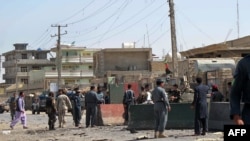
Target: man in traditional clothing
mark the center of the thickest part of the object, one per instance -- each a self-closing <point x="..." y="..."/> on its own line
<point x="51" y="110"/>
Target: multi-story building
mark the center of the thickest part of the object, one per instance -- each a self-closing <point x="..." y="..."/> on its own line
<point x="77" y="67"/>
<point x="19" y="62"/>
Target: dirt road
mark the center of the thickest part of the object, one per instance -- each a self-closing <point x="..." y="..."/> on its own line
<point x="38" y="131"/>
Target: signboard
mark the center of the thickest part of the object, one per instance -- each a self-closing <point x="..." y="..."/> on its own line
<point x="53" y="87"/>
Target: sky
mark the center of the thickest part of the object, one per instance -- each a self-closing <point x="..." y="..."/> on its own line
<point x="109" y="23"/>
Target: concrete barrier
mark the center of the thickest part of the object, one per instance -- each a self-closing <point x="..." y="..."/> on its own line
<point x="111" y="114"/>
<point x="219" y="115"/>
<point x="142" y="116"/>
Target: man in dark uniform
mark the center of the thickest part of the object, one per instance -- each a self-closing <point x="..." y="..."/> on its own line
<point x="161" y="108"/>
<point x="51" y="110"/>
<point x="13" y="106"/>
<point x="241" y="92"/>
<point x="175" y="94"/>
<point x="77" y="116"/>
<point x="91" y="101"/>
<point x="200" y="105"/>
<point x="128" y="99"/>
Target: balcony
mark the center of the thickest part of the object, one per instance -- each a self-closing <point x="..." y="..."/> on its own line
<point x="77" y="59"/>
<point x="12" y="63"/>
<point x="70" y="73"/>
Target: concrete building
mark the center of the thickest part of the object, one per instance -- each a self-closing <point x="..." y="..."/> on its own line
<point x="124" y="64"/>
<point x="19" y="62"/>
<point x="77" y="67"/>
<point x="233" y="48"/>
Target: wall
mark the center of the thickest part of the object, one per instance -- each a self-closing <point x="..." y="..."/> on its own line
<point x="126" y="59"/>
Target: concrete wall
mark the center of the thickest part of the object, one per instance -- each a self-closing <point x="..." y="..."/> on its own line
<point x="125" y="60"/>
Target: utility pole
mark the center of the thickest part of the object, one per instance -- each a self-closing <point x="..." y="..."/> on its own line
<point x="173" y="39"/>
<point x="59" y="54"/>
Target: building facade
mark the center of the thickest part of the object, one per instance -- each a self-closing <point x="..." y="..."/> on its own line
<point x="19" y="62"/>
<point x="77" y="67"/>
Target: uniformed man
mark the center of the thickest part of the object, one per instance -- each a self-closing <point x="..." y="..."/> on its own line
<point x="200" y="105"/>
<point x="175" y="94"/>
<point x="91" y="101"/>
<point x="51" y="110"/>
<point x="128" y="99"/>
<point x="13" y="106"/>
<point x="240" y="92"/>
<point x="77" y="116"/>
<point x="161" y="108"/>
<point x="63" y="104"/>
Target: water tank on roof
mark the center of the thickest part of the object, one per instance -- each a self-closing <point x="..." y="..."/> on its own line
<point x="39" y="49"/>
<point x="128" y="45"/>
<point x="169" y="56"/>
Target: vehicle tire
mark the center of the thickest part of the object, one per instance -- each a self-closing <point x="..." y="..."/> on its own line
<point x="38" y="111"/>
<point x="1" y="110"/>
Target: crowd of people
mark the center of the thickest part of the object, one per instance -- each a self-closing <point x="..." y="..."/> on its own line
<point x="62" y="103"/>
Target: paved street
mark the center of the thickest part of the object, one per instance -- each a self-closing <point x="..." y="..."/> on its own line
<point x="38" y="131"/>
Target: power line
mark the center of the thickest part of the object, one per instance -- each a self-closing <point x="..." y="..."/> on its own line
<point x="79" y="11"/>
<point x="131" y="25"/>
<point x="107" y="5"/>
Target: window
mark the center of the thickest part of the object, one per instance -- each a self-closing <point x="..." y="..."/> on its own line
<point x="36" y="68"/>
<point x="24" y="69"/>
<point x="24" y="56"/>
<point x="25" y="81"/>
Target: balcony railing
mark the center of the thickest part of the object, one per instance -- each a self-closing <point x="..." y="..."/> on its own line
<point x="27" y="62"/>
<point x="76" y="59"/>
<point x="72" y="73"/>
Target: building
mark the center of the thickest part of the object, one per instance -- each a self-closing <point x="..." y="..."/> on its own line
<point x="77" y="67"/>
<point x="233" y="48"/>
<point x="124" y="64"/>
<point x="19" y="62"/>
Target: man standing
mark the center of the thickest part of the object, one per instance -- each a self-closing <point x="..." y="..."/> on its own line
<point x="200" y="105"/>
<point x="13" y="106"/>
<point x="77" y="108"/>
<point x="51" y="110"/>
<point x="20" y="112"/>
<point x="91" y="101"/>
<point x="63" y="104"/>
<point x="241" y="92"/>
<point x="161" y="108"/>
<point x="128" y="99"/>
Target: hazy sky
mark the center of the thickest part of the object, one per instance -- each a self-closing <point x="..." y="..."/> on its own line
<point x="109" y="23"/>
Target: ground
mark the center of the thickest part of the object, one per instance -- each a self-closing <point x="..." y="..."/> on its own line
<point x="38" y="131"/>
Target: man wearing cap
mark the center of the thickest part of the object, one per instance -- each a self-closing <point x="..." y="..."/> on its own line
<point x="77" y="116"/>
<point x="161" y="108"/>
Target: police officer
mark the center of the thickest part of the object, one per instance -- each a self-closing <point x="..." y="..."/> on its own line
<point x="241" y="91"/>
<point x="51" y="110"/>
<point x="77" y="108"/>
<point x="161" y="108"/>
<point x="91" y="101"/>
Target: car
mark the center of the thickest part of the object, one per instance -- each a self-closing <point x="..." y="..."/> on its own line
<point x="42" y="101"/>
<point x="39" y="103"/>
<point x="4" y="107"/>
